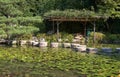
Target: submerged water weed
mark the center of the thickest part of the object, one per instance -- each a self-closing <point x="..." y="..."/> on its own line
<point x="56" y="62"/>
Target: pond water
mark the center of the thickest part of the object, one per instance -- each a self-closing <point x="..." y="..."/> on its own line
<point x="55" y="62"/>
<point x="19" y="68"/>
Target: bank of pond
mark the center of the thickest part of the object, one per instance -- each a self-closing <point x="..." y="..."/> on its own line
<point x="87" y="48"/>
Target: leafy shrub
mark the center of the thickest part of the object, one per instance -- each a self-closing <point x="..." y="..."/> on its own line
<point x="66" y="37"/>
<point x="54" y="37"/>
<point x="112" y="38"/>
<point x="41" y="35"/>
<point x="70" y="37"/>
<point x="98" y="37"/>
<point x="25" y="37"/>
<point x="49" y="38"/>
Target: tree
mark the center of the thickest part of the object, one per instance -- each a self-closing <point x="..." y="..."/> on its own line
<point x="107" y="6"/>
<point x="13" y="21"/>
<point x="8" y="9"/>
<point x="8" y="31"/>
<point x="116" y="13"/>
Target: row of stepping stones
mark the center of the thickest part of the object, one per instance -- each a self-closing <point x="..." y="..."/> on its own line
<point x="96" y="50"/>
<point x="74" y="46"/>
<point x="78" y="47"/>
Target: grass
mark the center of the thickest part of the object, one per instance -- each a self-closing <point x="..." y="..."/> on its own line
<point x="37" y="62"/>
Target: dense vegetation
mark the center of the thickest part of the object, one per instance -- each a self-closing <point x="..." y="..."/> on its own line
<point x="75" y="14"/>
<point x="34" y="62"/>
<point x="23" y="19"/>
<point x="30" y="12"/>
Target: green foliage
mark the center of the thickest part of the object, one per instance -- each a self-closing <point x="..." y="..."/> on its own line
<point x="8" y="9"/>
<point x="54" y="37"/>
<point x="112" y="38"/>
<point x="22" y="20"/>
<point x="24" y="37"/>
<point x="9" y="31"/>
<point x="18" y="30"/>
<point x="109" y="7"/>
<point x="39" y="7"/>
<point x="70" y="13"/>
<point x="41" y="35"/>
<point x="29" y="25"/>
<point x="10" y="1"/>
<point x="70" y="38"/>
<point x="32" y="61"/>
<point x="49" y="38"/>
<point x="2" y="33"/>
<point x="29" y="12"/>
<point x="66" y="37"/>
<point x="104" y="38"/>
<point x="98" y="37"/>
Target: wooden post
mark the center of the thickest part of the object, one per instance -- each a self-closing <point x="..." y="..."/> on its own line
<point x="53" y="27"/>
<point x="84" y="24"/>
<point x="57" y="30"/>
<point x="85" y="30"/>
<point x="94" y="33"/>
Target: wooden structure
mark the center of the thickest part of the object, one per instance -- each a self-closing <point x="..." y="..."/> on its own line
<point x="84" y="21"/>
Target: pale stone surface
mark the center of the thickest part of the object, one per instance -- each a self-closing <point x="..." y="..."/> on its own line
<point x="54" y="44"/>
<point x="23" y="42"/>
<point x="43" y="44"/>
<point x="74" y="45"/>
<point x="75" y="40"/>
<point x="117" y="50"/>
<point x="14" y="42"/>
<point x="59" y="40"/>
<point x="92" y="50"/>
<point x="34" y="43"/>
<point x="81" y="48"/>
<point x="107" y="50"/>
<point x="67" y="45"/>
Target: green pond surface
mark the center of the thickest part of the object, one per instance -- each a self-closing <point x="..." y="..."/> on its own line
<point x="53" y="62"/>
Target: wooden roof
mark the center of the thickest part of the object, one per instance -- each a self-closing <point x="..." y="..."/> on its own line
<point x="72" y="19"/>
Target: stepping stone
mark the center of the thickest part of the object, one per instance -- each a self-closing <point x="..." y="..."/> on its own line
<point x="74" y="45"/>
<point x="107" y="50"/>
<point x="117" y="50"/>
<point x="14" y="42"/>
<point x="23" y="42"/>
<point x="43" y="44"/>
<point x="35" y="43"/>
<point x="54" y="45"/>
<point x="92" y="50"/>
<point x="81" y="48"/>
<point x="30" y="42"/>
<point x="66" y="45"/>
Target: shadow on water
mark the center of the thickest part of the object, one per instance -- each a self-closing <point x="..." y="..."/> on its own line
<point x="114" y="54"/>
